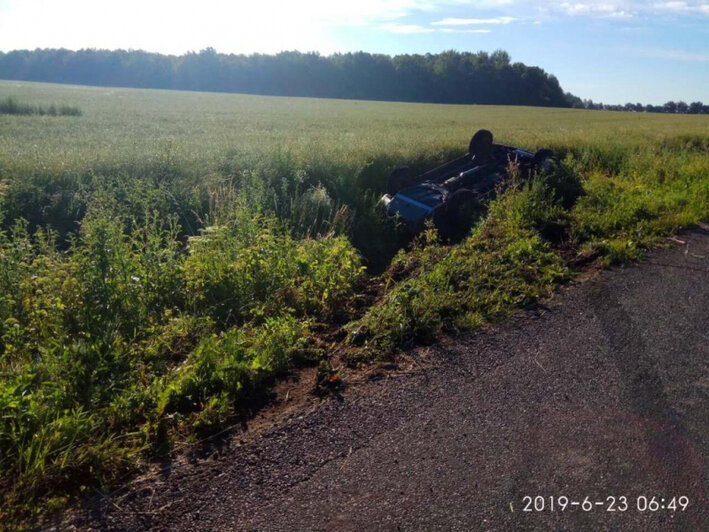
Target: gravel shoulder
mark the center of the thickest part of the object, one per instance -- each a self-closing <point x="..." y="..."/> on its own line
<point x="602" y="393"/>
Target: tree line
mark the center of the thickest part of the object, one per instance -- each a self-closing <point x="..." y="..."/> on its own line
<point x="448" y="77"/>
<point x="694" y="108"/>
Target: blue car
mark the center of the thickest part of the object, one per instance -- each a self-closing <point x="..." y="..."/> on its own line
<point x="454" y="194"/>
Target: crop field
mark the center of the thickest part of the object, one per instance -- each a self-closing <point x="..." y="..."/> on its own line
<point x="166" y="256"/>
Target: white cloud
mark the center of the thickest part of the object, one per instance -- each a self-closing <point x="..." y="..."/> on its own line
<point x="629" y="8"/>
<point x="612" y="9"/>
<point x="406" y="28"/>
<point x="455" y="30"/>
<point x="682" y="7"/>
<point x="671" y="5"/>
<point x="416" y="29"/>
<point x="603" y="9"/>
<point x="473" y="21"/>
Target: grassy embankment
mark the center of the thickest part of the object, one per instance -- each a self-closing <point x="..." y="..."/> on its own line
<point x="166" y="255"/>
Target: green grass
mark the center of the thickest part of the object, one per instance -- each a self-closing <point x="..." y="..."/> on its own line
<point x="167" y="256"/>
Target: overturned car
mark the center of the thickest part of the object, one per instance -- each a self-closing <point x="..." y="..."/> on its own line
<point x="454" y="194"/>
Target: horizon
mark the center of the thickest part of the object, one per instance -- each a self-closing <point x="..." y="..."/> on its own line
<point x="615" y="52"/>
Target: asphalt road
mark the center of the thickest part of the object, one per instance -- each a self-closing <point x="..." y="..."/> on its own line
<point x="604" y="393"/>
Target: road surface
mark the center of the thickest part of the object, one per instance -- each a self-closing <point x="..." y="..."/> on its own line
<point x="603" y="394"/>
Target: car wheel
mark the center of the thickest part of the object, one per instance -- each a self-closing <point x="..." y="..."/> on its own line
<point x="401" y="177"/>
<point x="481" y="144"/>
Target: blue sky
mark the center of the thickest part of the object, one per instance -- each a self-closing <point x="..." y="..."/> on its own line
<point x="610" y="50"/>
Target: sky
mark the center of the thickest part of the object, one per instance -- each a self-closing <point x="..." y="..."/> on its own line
<point x="612" y="51"/>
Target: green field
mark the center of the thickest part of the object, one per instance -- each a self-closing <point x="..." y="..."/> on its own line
<point x="166" y="255"/>
<point x="205" y="128"/>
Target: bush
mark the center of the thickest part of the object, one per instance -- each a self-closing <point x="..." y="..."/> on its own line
<point x="11" y="106"/>
<point x="253" y="267"/>
<point x="233" y="365"/>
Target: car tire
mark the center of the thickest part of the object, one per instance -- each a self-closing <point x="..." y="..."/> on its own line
<point x="401" y="177"/>
<point x="480" y="143"/>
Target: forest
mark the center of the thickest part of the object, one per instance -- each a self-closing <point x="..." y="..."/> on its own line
<point x="448" y="77"/>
